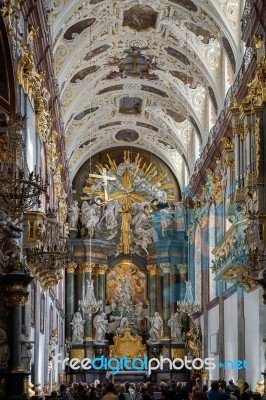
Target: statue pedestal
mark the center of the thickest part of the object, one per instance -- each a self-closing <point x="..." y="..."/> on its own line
<point x="13" y="385"/>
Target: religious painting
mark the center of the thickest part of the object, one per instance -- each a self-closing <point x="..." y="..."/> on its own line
<point x="78" y="28"/>
<point x="110" y="124"/>
<point x="4" y="79"/>
<point x="151" y="89"/>
<point x="175" y="115"/>
<point x="42" y="313"/>
<point x="188" y="4"/>
<point x="130" y="105"/>
<point x="127" y="135"/>
<point x="96" y="52"/>
<point x="136" y="65"/>
<point x="199" y="31"/>
<point x="147" y="126"/>
<point x="85" y="112"/>
<point x="79" y="76"/>
<point x="110" y="89"/>
<point x="126" y="284"/>
<point x="229" y="53"/>
<point x="177" y="54"/>
<point x="140" y="18"/>
<point x="187" y="79"/>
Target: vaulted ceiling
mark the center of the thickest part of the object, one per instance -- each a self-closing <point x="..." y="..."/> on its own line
<point x="151" y="74"/>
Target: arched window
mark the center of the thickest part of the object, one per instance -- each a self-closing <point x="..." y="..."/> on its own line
<point x="212" y="243"/>
<point x="198" y="265"/>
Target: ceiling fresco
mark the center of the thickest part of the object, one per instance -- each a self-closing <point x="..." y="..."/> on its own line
<point x="143" y="72"/>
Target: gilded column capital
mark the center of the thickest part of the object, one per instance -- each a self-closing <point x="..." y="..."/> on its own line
<point x="101" y="269"/>
<point x="165" y="268"/>
<point x="88" y="267"/>
<point x="16" y="295"/>
<point x="239" y="130"/>
<point x="71" y="267"/>
<point x="152" y="269"/>
<point x="182" y="268"/>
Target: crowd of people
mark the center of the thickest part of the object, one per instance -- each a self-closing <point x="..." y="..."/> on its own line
<point x="218" y="390"/>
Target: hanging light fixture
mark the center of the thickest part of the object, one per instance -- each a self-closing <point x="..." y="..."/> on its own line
<point x="52" y="252"/>
<point x="89" y="304"/>
<point x="188" y="305"/>
<point x="20" y="189"/>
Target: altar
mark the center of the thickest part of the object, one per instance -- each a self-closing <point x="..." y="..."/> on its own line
<point x="129" y="264"/>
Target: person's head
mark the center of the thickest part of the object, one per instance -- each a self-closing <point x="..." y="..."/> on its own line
<point x="205" y="388"/>
<point x="215" y="386"/>
<point x="54" y="394"/>
<point x="230" y="381"/>
<point x="110" y="388"/>
<point x="75" y="386"/>
<point x="63" y="388"/>
<point x="245" y="396"/>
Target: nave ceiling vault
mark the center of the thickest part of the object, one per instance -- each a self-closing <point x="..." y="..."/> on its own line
<point x="156" y="68"/>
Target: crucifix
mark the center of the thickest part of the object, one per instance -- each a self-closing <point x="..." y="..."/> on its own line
<point x="105" y="178"/>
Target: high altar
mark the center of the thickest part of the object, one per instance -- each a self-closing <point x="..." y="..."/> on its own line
<point x="129" y="268"/>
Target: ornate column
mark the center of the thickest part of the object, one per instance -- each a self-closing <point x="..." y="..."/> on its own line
<point x="16" y="297"/>
<point x="166" y="269"/>
<point x="70" y="297"/>
<point x="88" y="267"/>
<point x="100" y="271"/>
<point x="183" y="271"/>
<point x="152" y="287"/>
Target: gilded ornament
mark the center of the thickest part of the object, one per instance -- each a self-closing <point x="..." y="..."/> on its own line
<point x="88" y="267"/>
<point x="43" y="117"/>
<point x="101" y="269"/>
<point x="128" y="345"/>
<point x="71" y="268"/>
<point x="152" y="269"/>
<point x="227" y="144"/>
<point x="51" y="151"/>
<point x="239" y="130"/>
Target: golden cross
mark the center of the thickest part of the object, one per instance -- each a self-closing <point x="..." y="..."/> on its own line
<point x="105" y="178"/>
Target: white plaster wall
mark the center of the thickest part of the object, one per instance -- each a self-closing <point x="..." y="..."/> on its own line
<point x="231" y="335"/>
<point x="213" y="327"/>
<point x="253" y="346"/>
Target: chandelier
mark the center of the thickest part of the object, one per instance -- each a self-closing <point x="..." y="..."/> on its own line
<point x="19" y="189"/>
<point x="188" y="305"/>
<point x="51" y="251"/>
<point x="89" y="304"/>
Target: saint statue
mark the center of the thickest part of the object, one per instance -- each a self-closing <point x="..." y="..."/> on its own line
<point x="26" y="347"/>
<point x="126" y="293"/>
<point x="73" y="215"/>
<point x="156" y="327"/>
<point x="77" y="328"/>
<point x="100" y="323"/>
<point x="176" y="326"/>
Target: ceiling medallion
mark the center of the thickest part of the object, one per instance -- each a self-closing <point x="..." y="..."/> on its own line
<point x="139" y="43"/>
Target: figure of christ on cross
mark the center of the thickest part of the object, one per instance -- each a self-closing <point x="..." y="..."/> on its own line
<point x="105" y="178"/>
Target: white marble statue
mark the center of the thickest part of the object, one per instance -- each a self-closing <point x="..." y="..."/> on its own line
<point x="89" y="215"/>
<point x="156" y="328"/>
<point x="73" y="215"/>
<point x="143" y="231"/>
<point x="176" y="326"/>
<point x="77" y="328"/>
<point x="126" y="292"/>
<point x="109" y="216"/>
<point x="100" y="323"/>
